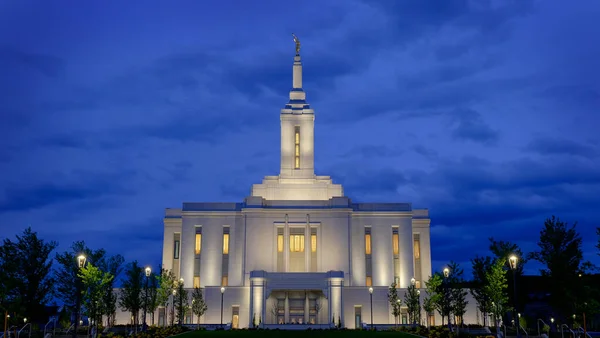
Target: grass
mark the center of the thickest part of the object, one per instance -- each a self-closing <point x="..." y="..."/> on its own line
<point x="294" y="334"/>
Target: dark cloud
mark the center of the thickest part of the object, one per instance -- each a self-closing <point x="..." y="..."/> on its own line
<point x="469" y="125"/>
<point x="425" y="151"/>
<point x="560" y="146"/>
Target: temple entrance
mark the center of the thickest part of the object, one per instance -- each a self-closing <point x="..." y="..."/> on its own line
<point x="295" y="307"/>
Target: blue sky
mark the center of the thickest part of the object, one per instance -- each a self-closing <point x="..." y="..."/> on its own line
<point x="485" y="112"/>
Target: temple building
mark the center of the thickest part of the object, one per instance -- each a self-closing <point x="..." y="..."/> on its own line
<point x="297" y="250"/>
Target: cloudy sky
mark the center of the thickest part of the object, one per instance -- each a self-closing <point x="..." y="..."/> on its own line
<point x="485" y="112"/>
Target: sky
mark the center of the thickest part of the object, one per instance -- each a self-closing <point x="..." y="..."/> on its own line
<point x="485" y="112"/>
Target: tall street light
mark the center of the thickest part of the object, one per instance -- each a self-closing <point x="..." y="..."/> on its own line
<point x="222" y="292"/>
<point x="148" y="272"/>
<point x="447" y="310"/>
<point x="413" y="315"/>
<point x="173" y="308"/>
<point x="371" y="295"/>
<point x="80" y="264"/>
<point x="513" y="261"/>
<point x="181" y="295"/>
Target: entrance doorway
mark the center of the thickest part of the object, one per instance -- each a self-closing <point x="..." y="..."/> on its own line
<point x="235" y="317"/>
<point x="357" y="317"/>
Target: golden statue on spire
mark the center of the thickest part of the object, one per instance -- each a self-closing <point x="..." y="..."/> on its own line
<point x="297" y="41"/>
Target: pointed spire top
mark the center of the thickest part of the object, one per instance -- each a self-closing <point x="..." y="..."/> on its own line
<point x="297" y="41"/>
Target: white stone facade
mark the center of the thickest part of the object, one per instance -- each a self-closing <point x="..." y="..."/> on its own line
<point x="297" y="250"/>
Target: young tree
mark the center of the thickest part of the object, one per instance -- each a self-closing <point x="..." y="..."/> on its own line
<point x="152" y="295"/>
<point x="430" y="302"/>
<point x="394" y="300"/>
<point x="560" y="251"/>
<point x="495" y="289"/>
<point x="113" y="266"/>
<point x="166" y="282"/>
<point x="94" y="283"/>
<point x="68" y="282"/>
<point x="181" y="303"/>
<point x="481" y="267"/>
<point x="413" y="303"/>
<point x="131" y="291"/>
<point x="199" y="306"/>
<point x="444" y="301"/>
<point x="30" y="275"/>
<point x="458" y="295"/>
<point x="8" y="279"/>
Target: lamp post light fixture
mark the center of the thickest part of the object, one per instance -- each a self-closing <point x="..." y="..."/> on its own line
<point x="222" y="293"/>
<point x="148" y="272"/>
<point x="81" y="259"/>
<point x="513" y="260"/>
<point x="446" y="275"/>
<point x="371" y="296"/>
<point x="173" y="308"/>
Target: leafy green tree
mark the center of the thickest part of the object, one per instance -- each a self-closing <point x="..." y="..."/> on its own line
<point x="413" y="304"/>
<point x="433" y="286"/>
<point x="481" y="268"/>
<point x="199" y="305"/>
<point x="394" y="301"/>
<point x="29" y="265"/>
<point x="560" y="251"/>
<point x="152" y="305"/>
<point x="444" y="301"/>
<point x="166" y="282"/>
<point x="131" y="299"/>
<point x="458" y="294"/>
<point x="68" y="283"/>
<point x="112" y="265"/>
<point x="495" y="289"/>
<point x="181" y="303"/>
<point x="94" y="283"/>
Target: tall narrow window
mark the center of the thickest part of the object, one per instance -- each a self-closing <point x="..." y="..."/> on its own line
<point x="313" y="243"/>
<point x="280" y="246"/>
<point x="297" y="148"/>
<point x="297" y="243"/>
<point x="279" y="243"/>
<point x="313" y="249"/>
<point x="396" y="255"/>
<point x="368" y="260"/>
<point x="196" y="282"/>
<point x="198" y="243"/>
<point x="417" y="258"/>
<point x="225" y="244"/>
<point x="176" y="250"/>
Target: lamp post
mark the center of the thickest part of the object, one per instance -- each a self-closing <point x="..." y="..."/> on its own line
<point x="80" y="264"/>
<point x="148" y="272"/>
<point x="513" y="260"/>
<point x="413" y="314"/>
<point x="181" y="308"/>
<point x="173" y="308"/>
<point x="222" y="293"/>
<point x="371" y="296"/>
<point x="419" y="306"/>
<point x="447" y="310"/>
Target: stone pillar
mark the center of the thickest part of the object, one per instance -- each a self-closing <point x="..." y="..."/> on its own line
<point x="335" y="282"/>
<point x="405" y="237"/>
<point x="286" y="317"/>
<point x="257" y="296"/>
<point x="286" y="246"/>
<point x="306" y="308"/>
<point x="307" y="245"/>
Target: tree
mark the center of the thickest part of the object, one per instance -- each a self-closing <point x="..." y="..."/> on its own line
<point x="68" y="282"/>
<point x="503" y="250"/>
<point x="131" y="291"/>
<point x="430" y="302"/>
<point x="412" y="301"/>
<point x="166" y="282"/>
<point x="444" y="301"/>
<point x="560" y="251"/>
<point x="8" y="278"/>
<point x="181" y="303"/>
<point x="495" y="289"/>
<point x="29" y="265"/>
<point x="198" y="304"/>
<point x="94" y="283"/>
<point x="481" y="267"/>
<point x="113" y="266"/>
<point x="394" y="300"/>
<point x="152" y="295"/>
<point x="458" y="301"/>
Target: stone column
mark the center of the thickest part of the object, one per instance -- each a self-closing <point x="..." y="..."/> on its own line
<point x="286" y="317"/>
<point x="335" y="282"/>
<point x="306" y="308"/>
<point x="307" y="245"/>
<point x="286" y="246"/>
<point x="405" y="237"/>
<point x="257" y="296"/>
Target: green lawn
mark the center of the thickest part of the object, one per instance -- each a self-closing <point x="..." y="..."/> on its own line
<point x="294" y="334"/>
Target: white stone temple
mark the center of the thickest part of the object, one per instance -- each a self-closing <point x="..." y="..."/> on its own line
<point x="297" y="251"/>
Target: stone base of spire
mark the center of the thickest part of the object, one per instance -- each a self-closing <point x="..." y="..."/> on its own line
<point x="318" y="188"/>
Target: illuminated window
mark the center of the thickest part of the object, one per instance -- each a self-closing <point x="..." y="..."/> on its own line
<point x="225" y="244"/>
<point x="176" y="250"/>
<point x="198" y="243"/>
<point x="297" y="148"/>
<point x="313" y="243"/>
<point x="196" y="281"/>
<point x="279" y="243"/>
<point x="368" y="244"/>
<point x="418" y="284"/>
<point x="395" y="243"/>
<point x="417" y="246"/>
<point x="369" y="281"/>
<point x="297" y="243"/>
<point x="224" y="281"/>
